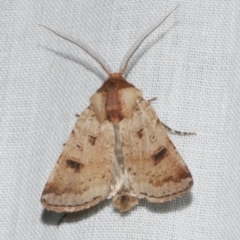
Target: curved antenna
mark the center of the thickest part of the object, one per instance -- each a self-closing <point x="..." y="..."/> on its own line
<point x="122" y="71"/>
<point x="79" y="45"/>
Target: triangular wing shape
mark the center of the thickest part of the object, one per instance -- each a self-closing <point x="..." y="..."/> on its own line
<point x="82" y="175"/>
<point x="155" y="169"/>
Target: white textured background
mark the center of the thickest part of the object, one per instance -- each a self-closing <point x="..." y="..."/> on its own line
<point x="192" y="64"/>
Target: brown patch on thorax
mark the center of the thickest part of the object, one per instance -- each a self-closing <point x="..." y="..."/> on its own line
<point x="110" y="89"/>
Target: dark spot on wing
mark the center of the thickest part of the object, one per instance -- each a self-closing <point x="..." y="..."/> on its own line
<point x="182" y="173"/>
<point x="92" y="139"/>
<point x="140" y="133"/>
<point x="159" y="155"/>
<point x="79" y="146"/>
<point x="74" y="165"/>
<point x="52" y="187"/>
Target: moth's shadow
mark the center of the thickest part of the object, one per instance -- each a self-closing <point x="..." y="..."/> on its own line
<point x="175" y="205"/>
<point x="52" y="218"/>
<point x="73" y="58"/>
<point x="141" y="52"/>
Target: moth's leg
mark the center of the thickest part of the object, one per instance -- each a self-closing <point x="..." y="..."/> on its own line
<point x="152" y="99"/>
<point x="177" y="132"/>
<point x="61" y="219"/>
<point x="170" y="129"/>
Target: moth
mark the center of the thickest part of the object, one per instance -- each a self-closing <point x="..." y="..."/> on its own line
<point x="118" y="149"/>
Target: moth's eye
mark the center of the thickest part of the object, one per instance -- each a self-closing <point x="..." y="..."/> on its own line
<point x="153" y="137"/>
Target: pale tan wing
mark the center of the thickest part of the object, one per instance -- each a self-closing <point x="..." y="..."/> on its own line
<point x="81" y="177"/>
<point x="155" y="169"/>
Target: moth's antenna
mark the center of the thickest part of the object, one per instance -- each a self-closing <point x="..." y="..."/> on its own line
<point x="122" y="71"/>
<point x="79" y="45"/>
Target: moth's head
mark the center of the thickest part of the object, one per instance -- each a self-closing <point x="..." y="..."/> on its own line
<point x="115" y="81"/>
<point x="116" y="75"/>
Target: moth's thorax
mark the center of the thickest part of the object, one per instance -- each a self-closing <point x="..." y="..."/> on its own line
<point x="115" y="99"/>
